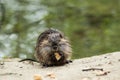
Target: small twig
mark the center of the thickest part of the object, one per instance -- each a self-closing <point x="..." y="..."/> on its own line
<point x="93" y="69"/>
<point x="4" y="74"/>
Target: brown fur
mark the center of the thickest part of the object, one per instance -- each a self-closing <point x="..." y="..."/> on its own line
<point x="49" y="42"/>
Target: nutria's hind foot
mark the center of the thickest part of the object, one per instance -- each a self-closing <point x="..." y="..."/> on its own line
<point x="69" y="61"/>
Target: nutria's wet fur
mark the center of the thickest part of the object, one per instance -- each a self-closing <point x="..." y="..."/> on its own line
<point x="49" y="42"/>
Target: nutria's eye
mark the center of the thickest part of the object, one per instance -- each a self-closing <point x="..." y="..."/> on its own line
<point x="48" y="45"/>
<point x="61" y="36"/>
<point x="62" y="44"/>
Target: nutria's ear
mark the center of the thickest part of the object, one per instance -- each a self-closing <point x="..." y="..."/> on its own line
<point x="61" y="35"/>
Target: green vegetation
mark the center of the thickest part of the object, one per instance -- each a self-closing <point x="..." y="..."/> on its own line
<point x="92" y="26"/>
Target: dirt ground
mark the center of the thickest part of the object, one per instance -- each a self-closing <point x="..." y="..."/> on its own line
<point x="101" y="67"/>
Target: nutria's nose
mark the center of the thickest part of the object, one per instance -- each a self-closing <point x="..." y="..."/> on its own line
<point x="55" y="48"/>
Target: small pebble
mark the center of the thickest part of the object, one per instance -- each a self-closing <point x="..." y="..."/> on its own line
<point x="37" y="77"/>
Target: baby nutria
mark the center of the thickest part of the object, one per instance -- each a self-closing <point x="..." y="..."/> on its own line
<point x="52" y="49"/>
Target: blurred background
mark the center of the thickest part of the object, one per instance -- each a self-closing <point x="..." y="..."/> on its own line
<point x="93" y="26"/>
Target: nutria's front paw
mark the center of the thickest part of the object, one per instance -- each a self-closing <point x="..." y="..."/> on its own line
<point x="47" y="65"/>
